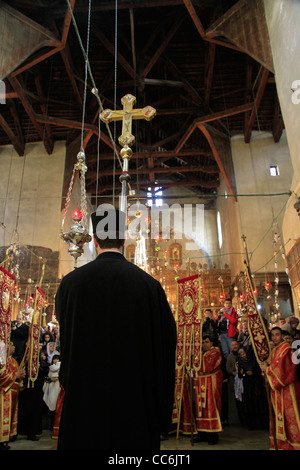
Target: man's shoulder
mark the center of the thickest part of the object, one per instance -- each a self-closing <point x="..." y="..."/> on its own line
<point x="214" y="351"/>
<point x="123" y="266"/>
<point x="283" y="347"/>
<point x="137" y="271"/>
<point x="78" y="273"/>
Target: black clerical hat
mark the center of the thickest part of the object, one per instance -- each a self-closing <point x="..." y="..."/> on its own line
<point x="109" y="222"/>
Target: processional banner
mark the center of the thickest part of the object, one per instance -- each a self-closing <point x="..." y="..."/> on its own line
<point x="6" y="286"/>
<point x="32" y="354"/>
<point x="257" y="328"/>
<point x="189" y="333"/>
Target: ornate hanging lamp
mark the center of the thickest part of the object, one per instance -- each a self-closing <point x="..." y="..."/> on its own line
<point x="78" y="234"/>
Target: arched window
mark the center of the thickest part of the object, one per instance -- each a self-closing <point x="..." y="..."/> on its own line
<point x="154" y="196"/>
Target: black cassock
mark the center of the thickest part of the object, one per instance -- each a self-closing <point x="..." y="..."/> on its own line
<point x="118" y="342"/>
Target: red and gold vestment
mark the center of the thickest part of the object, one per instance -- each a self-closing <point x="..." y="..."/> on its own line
<point x="9" y="390"/>
<point x="208" y="391"/>
<point x="285" y="397"/>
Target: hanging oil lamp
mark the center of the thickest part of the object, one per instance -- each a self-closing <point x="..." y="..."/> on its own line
<point x="78" y="235"/>
<point x="268" y="285"/>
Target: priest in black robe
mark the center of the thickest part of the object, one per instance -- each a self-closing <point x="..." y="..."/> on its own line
<point x="118" y="342"/>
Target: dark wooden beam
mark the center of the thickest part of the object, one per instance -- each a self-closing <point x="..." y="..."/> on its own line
<point x="245" y="26"/>
<point x="208" y="75"/>
<point x="57" y="44"/>
<point x="44" y="109"/>
<point x="15" y="83"/>
<point x="20" y="37"/>
<point x="14" y="112"/>
<point x="248" y="96"/>
<point x="165" y="155"/>
<point x="162" y="142"/>
<point x="212" y="117"/>
<point x="74" y="125"/>
<point x="197" y="22"/>
<point x="190" y="8"/>
<point x="195" y="183"/>
<point x="151" y="170"/>
<point x="66" y="57"/>
<point x="197" y="99"/>
<point x="108" y="5"/>
<point x="111" y="48"/>
<point x="263" y="79"/>
<point x="162" y="46"/>
<point x="221" y="148"/>
<point x="18" y="146"/>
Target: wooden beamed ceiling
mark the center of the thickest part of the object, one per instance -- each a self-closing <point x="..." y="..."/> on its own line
<point x="206" y="66"/>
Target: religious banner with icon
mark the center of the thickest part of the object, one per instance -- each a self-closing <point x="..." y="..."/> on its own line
<point x="189" y="338"/>
<point x="32" y="354"/>
<point x="257" y="328"/>
<point x="6" y="286"/>
<point x="188" y="312"/>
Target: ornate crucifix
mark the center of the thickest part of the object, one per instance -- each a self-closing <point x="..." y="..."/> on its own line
<point x="126" y="138"/>
<point x="127" y="115"/>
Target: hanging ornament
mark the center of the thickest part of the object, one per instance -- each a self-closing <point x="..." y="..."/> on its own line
<point x="268" y="285"/>
<point x="78" y="235"/>
<point x="138" y="213"/>
<point x="221" y="287"/>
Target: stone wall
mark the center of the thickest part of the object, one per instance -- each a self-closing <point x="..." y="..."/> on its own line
<point x="283" y="18"/>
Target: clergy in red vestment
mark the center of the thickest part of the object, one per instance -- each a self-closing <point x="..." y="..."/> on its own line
<point x="285" y="394"/>
<point x="208" y="391"/>
<point x="9" y="390"/>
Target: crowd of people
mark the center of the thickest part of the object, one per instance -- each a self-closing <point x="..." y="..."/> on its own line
<point x="227" y="352"/>
<point x="249" y="388"/>
<point x="136" y="346"/>
<point x="34" y="404"/>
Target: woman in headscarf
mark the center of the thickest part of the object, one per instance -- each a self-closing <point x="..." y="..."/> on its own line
<point x="51" y="351"/>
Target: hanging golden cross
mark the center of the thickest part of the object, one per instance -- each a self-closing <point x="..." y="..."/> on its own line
<point x="127" y="115"/>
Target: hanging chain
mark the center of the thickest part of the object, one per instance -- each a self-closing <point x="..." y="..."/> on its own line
<point x="80" y="165"/>
<point x="68" y="198"/>
<point x="83" y="207"/>
<point x="86" y="74"/>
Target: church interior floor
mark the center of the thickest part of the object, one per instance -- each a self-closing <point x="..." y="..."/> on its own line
<point x="233" y="437"/>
